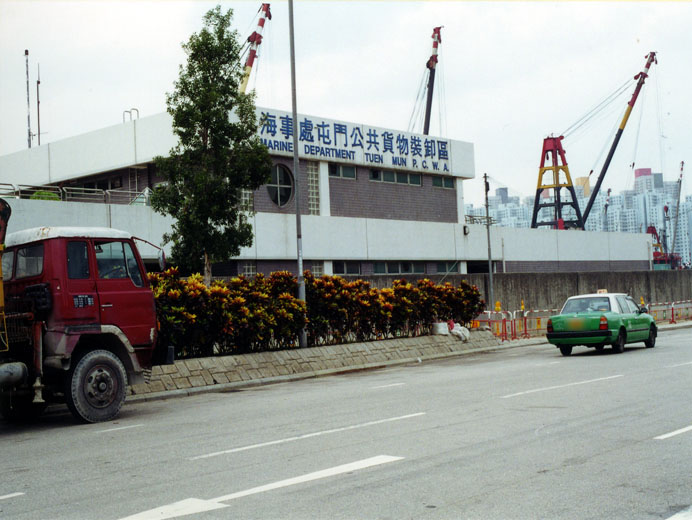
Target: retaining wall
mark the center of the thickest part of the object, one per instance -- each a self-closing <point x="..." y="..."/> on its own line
<point x="225" y="372"/>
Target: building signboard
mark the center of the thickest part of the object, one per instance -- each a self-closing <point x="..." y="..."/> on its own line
<point x="337" y="141"/>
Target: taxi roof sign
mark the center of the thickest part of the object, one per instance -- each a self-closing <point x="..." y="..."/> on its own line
<point x="602" y="291"/>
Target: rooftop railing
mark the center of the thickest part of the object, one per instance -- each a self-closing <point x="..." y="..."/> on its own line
<point x="74" y="194"/>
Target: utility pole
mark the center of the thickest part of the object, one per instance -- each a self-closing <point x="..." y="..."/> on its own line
<point x="487" y="228"/>
<point x="432" y="63"/>
<point x="302" y="337"/>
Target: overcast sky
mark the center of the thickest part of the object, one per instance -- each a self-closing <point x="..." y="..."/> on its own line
<point x="509" y="74"/>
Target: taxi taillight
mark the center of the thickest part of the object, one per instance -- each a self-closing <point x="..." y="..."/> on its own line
<point x="603" y="325"/>
<point x="550" y="325"/>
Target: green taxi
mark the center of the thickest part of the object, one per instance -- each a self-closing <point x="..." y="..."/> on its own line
<point x="597" y="320"/>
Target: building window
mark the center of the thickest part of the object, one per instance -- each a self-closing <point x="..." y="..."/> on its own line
<point x="280" y="187"/>
<point x="342" y="170"/>
<point x="404" y="267"/>
<point x="249" y="269"/>
<point x="342" y="267"/>
<point x="317" y="268"/>
<point x="312" y="169"/>
<point x="395" y="177"/>
<point x="443" y="182"/>
<point x="447" y="267"/>
<point x="247" y="200"/>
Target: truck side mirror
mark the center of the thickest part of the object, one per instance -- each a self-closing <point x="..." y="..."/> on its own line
<point x="162" y="260"/>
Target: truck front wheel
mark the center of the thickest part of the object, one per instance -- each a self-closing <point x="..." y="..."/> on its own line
<point x="96" y="387"/>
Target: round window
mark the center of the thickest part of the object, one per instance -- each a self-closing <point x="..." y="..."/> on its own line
<point x="280" y="187"/>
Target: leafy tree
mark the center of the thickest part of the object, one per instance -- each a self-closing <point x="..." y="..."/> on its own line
<point x="218" y="152"/>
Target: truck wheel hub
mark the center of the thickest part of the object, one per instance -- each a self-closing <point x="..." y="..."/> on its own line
<point x="100" y="387"/>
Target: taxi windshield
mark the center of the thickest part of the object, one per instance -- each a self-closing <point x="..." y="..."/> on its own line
<point x="588" y="304"/>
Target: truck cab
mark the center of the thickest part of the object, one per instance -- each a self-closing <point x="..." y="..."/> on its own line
<point x="80" y="317"/>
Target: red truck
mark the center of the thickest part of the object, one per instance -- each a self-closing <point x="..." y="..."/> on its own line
<point x="79" y="320"/>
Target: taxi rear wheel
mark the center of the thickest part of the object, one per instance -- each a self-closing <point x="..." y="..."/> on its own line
<point x="566" y="350"/>
<point x="619" y="345"/>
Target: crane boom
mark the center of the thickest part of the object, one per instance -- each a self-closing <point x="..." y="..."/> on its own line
<point x="650" y="58"/>
<point x="255" y="40"/>
<point x="431" y="64"/>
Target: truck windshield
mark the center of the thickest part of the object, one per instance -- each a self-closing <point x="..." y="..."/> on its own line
<point x="591" y="304"/>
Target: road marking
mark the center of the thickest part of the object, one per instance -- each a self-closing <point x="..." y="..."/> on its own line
<point x="673" y="434"/>
<point x="680" y="365"/>
<point x="11" y="495"/>
<point x="388" y="386"/>
<point x="120" y="428"/>
<point x="191" y="506"/>
<point x="305" y="436"/>
<point x="686" y="514"/>
<point x="561" y="386"/>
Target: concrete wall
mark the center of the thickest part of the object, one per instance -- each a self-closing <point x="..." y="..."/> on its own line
<point x="550" y="290"/>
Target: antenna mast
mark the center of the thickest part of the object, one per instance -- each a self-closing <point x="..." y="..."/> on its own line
<point x="38" y="105"/>
<point x="431" y="64"/>
<point x="255" y="39"/>
<point x="28" y="105"/>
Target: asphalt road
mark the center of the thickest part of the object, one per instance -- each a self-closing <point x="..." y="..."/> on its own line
<point x="522" y="433"/>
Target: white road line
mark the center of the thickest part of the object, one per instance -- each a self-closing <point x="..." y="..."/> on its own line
<point x="305" y="436"/>
<point x="337" y="470"/>
<point x="560" y="386"/>
<point x="685" y="514"/>
<point x="11" y="495"/>
<point x="191" y="506"/>
<point x="680" y="365"/>
<point x="673" y="434"/>
<point x="120" y="428"/>
<point x="388" y="386"/>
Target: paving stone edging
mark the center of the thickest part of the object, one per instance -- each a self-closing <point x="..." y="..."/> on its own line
<point x="192" y="376"/>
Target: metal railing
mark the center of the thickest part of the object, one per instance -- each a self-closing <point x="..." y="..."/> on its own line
<point x="74" y="194"/>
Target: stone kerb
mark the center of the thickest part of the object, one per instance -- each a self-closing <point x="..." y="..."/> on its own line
<point x="218" y="373"/>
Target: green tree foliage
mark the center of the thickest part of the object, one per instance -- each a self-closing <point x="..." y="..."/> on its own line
<point x="218" y="152"/>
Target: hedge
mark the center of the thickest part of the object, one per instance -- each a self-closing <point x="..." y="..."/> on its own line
<point x="261" y="313"/>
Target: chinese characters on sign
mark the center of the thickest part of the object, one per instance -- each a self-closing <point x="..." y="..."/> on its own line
<point x="325" y="139"/>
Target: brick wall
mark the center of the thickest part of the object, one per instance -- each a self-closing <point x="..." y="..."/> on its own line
<point x="364" y="198"/>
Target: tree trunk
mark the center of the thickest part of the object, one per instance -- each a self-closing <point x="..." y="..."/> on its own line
<point x="207" y="270"/>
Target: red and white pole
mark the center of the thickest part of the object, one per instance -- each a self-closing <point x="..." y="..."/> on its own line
<point x="255" y="40"/>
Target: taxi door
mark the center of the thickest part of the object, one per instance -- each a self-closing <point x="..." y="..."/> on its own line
<point x="640" y="322"/>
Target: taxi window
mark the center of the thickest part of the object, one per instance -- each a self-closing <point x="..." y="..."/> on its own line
<point x="622" y="302"/>
<point x="593" y="304"/>
<point x="7" y="264"/>
<point x="634" y="308"/>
